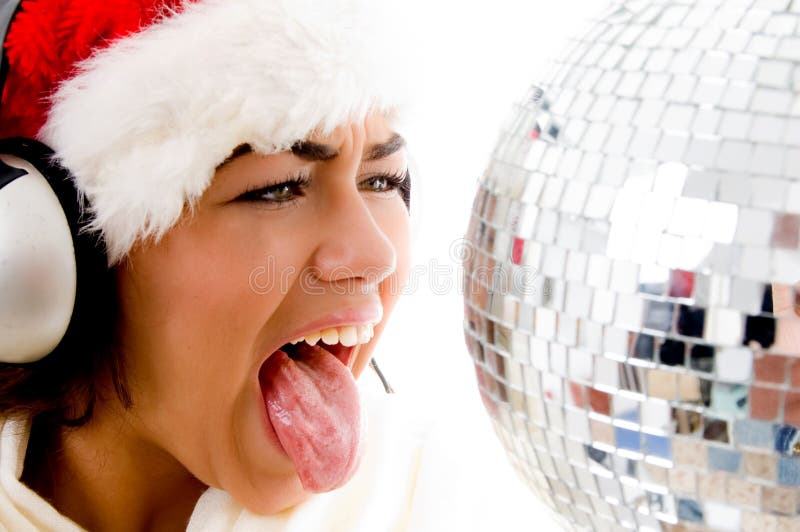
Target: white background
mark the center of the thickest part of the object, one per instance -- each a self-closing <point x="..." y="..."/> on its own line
<point x="476" y="58"/>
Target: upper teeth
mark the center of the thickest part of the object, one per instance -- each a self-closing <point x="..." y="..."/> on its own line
<point x="348" y="336"/>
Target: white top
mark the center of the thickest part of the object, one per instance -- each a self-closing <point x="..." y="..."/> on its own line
<point x="413" y="477"/>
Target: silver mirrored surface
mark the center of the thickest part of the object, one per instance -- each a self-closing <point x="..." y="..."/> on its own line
<point x="638" y="343"/>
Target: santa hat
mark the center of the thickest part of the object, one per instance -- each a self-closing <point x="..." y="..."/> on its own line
<point x="141" y="100"/>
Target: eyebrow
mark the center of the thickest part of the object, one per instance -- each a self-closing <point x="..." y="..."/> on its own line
<point x="238" y="151"/>
<point x="385" y="149"/>
<point x="314" y="151"/>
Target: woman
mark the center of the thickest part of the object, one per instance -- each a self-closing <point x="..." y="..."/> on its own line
<point x="243" y="172"/>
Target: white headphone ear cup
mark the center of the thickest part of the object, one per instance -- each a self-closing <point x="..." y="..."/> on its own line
<point x="38" y="277"/>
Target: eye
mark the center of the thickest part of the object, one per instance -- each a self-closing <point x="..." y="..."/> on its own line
<point x="384" y="182"/>
<point x="279" y="193"/>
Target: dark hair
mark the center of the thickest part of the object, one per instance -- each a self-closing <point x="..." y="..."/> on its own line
<point x="61" y="387"/>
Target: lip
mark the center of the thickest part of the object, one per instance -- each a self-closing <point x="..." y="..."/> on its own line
<point x="340" y="318"/>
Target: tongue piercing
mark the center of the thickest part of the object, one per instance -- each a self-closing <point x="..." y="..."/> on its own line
<point x="386" y="386"/>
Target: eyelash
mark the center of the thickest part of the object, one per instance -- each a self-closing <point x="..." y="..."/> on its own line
<point x="299" y="182"/>
<point x="256" y="194"/>
<point x="394" y="180"/>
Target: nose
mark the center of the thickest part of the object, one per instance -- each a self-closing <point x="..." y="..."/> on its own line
<point x="351" y="246"/>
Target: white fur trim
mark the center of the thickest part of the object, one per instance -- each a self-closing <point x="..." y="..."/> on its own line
<point x="143" y="124"/>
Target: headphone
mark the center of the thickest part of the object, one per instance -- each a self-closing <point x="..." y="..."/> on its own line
<point x="39" y="241"/>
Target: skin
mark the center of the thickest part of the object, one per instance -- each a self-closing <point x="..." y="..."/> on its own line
<point x="194" y="333"/>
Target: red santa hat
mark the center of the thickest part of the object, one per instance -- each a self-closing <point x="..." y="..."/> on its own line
<point x="141" y="100"/>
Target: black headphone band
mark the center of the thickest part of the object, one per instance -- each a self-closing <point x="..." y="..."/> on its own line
<point x="8" y="8"/>
<point x="41" y="157"/>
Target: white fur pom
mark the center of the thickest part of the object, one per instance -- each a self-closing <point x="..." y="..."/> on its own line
<point x="143" y="124"/>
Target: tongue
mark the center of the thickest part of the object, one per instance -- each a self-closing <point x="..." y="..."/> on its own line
<point x="312" y="402"/>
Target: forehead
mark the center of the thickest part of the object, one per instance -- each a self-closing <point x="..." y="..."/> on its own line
<point x="373" y="128"/>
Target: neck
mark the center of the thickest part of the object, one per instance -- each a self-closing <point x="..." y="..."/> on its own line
<point x="104" y="476"/>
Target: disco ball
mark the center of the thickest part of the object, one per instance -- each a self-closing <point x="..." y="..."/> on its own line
<point x="631" y="303"/>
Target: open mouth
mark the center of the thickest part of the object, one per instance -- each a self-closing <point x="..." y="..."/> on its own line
<point x="341" y="342"/>
<point x="312" y="403"/>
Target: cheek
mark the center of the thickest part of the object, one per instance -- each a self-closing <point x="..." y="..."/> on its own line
<point x="395" y="224"/>
<point x="194" y="306"/>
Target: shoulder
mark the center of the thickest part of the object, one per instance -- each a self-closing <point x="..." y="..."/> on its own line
<point x="14" y="434"/>
<point x="20" y="507"/>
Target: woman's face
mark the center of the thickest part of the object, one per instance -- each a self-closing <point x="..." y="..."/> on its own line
<point x="258" y="264"/>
